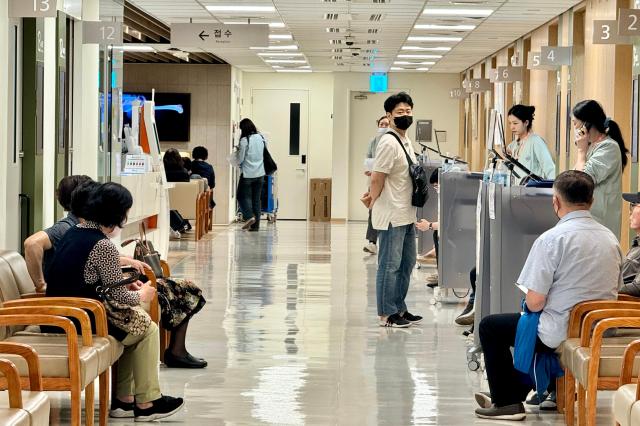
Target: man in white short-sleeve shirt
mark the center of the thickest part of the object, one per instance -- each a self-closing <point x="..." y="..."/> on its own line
<point x="393" y="216"/>
<point x="575" y="261"/>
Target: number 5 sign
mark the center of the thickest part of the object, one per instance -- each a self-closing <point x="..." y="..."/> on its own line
<point x="102" y="33"/>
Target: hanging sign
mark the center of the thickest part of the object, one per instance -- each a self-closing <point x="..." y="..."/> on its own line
<point x="98" y="32"/>
<point x="556" y="55"/>
<point x="509" y="74"/>
<point x="219" y="36"/>
<point x="457" y="93"/>
<point x="479" y="85"/>
<point x="629" y="22"/>
<point x="33" y="8"/>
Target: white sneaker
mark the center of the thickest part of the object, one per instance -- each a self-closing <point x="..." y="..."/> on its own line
<point x="432" y="278"/>
<point x="174" y="235"/>
<point x="371" y="248"/>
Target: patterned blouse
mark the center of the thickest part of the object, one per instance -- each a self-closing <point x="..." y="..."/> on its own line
<point x="103" y="265"/>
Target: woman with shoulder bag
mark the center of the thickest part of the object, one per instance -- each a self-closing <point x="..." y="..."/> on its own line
<point x="251" y="158"/>
<point x="87" y="264"/>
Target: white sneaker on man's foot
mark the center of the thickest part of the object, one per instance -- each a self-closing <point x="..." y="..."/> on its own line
<point x="371" y="248"/>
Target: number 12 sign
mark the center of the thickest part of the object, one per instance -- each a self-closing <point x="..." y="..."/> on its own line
<point x="109" y="33"/>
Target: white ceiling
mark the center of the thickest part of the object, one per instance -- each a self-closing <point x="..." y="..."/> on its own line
<point x="377" y="43"/>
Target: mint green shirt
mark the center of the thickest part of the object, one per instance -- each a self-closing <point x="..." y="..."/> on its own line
<point x="604" y="165"/>
<point x="534" y="154"/>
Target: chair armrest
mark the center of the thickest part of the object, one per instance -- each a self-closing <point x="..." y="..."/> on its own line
<point x="598" y="332"/>
<point x="154" y="311"/>
<point x="95" y="307"/>
<point x="10" y="372"/>
<point x="61" y="311"/>
<point x="165" y="268"/>
<point x="581" y="309"/>
<point x="592" y="317"/>
<point x="56" y="321"/>
<point x="628" y="298"/>
<point x="30" y="356"/>
<point x="34" y="295"/>
<point x="627" y="362"/>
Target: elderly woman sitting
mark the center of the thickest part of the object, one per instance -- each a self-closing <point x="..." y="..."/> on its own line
<point x="87" y="261"/>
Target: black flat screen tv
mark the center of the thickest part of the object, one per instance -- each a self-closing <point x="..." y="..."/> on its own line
<point x="173" y="114"/>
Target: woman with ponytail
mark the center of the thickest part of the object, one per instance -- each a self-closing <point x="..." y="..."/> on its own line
<point x="603" y="155"/>
<point x="529" y="148"/>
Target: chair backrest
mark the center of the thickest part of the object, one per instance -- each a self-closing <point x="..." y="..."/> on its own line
<point x="183" y="197"/>
<point x="19" y="268"/>
<point x="8" y="291"/>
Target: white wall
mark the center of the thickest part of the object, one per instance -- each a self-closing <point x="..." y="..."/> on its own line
<point x="430" y="93"/>
<point x="329" y="105"/>
<point x="4" y="82"/>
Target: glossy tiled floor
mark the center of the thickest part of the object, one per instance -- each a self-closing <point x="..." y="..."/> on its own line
<point x="291" y="337"/>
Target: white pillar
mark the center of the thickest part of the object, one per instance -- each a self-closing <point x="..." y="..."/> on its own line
<point x="4" y="144"/>
<point x="49" y="122"/>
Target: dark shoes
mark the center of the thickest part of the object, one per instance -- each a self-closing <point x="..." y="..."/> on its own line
<point x="413" y="319"/>
<point x="161" y="408"/>
<point x="508" y="412"/>
<point x="395" y="321"/>
<point x="549" y="404"/>
<point x="121" y="410"/>
<point x="188" y="361"/>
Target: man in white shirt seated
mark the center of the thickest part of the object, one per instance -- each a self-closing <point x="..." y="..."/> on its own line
<point x="575" y="261"/>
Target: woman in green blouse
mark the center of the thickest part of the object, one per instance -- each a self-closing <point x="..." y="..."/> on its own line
<point x="529" y="148"/>
<point x="603" y="155"/>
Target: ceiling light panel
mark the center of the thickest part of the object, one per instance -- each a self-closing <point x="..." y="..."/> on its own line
<point x="438" y="27"/>
<point x="445" y="11"/>
<point x="239" y="8"/>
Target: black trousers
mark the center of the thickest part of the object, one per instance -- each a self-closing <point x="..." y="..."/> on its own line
<point x="436" y="244"/>
<point x="372" y="234"/>
<point x="497" y="337"/>
<point x="250" y="190"/>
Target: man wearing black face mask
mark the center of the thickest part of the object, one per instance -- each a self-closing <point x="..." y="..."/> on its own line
<point x="393" y="215"/>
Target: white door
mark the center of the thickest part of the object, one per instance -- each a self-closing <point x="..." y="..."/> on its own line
<point x="283" y="117"/>
<point x="365" y="110"/>
<point x="13" y="178"/>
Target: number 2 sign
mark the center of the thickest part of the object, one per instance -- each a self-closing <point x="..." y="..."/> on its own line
<point x="629" y="22"/>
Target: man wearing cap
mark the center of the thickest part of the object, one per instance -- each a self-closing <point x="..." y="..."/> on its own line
<point x="576" y="260"/>
<point x="631" y="265"/>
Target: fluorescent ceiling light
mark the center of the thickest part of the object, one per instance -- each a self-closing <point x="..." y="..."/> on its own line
<point x="241" y="8"/>
<point x="271" y="24"/>
<point x="274" y="54"/>
<point x="433" y="38"/>
<point x="445" y="27"/>
<point x="422" y="69"/>
<point x="285" y="61"/>
<point x="275" y="47"/>
<point x="420" y="56"/>
<point x="135" y="48"/>
<point x="397" y="69"/>
<point x="412" y="63"/>
<point x="276" y="67"/>
<point x="458" y="12"/>
<point x="294" y="70"/>
<point x="280" y="37"/>
<point x="426" y="49"/>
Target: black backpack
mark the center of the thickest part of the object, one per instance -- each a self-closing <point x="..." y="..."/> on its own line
<point x="418" y="176"/>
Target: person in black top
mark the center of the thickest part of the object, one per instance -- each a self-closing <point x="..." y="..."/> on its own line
<point x="174" y="167"/>
<point x="86" y="259"/>
<point x="199" y="165"/>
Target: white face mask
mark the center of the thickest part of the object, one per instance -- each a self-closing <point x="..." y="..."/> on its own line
<point x="382" y="130"/>
<point x="115" y="233"/>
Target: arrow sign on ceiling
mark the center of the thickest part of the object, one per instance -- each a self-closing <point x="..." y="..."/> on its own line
<point x="217" y="36"/>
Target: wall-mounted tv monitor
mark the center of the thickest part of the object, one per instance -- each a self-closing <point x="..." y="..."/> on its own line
<point x="173" y="114"/>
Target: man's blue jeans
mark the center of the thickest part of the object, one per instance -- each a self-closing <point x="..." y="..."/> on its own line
<point x="396" y="259"/>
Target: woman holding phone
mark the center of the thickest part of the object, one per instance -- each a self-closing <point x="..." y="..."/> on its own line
<point x="602" y="155"/>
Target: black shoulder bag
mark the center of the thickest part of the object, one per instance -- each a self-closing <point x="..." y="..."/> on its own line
<point x="419" y="178"/>
<point x="270" y="166"/>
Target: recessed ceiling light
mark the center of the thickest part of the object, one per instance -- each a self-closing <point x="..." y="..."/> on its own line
<point x="280" y="54"/>
<point x="445" y="27"/>
<point x="211" y="8"/>
<point x="397" y="69"/>
<point x="412" y="63"/>
<point x="422" y="69"/>
<point x="458" y="12"/>
<point x="271" y="24"/>
<point x="294" y="70"/>
<point x="285" y="61"/>
<point x="275" y="47"/>
<point x="276" y="67"/>
<point x="426" y="49"/>
<point x="420" y="56"/>
<point x="280" y="37"/>
<point x="134" y="48"/>
<point x="433" y="38"/>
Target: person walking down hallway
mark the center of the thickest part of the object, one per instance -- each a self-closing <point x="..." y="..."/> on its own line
<point x="393" y="214"/>
<point x="603" y="156"/>
<point x="251" y="152"/>
<point x="372" y="234"/>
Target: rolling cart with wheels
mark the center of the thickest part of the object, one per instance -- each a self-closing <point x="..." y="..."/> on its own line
<point x="270" y="198"/>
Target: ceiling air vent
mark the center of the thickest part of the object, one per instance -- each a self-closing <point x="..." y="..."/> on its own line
<point x="373" y="41"/>
<point x="334" y="41"/>
<point x="336" y="58"/>
<point x="331" y="16"/>
<point x="373" y="31"/>
<point x="336" y="50"/>
<point x="377" y="17"/>
<point x="334" y="30"/>
<point x="329" y="1"/>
